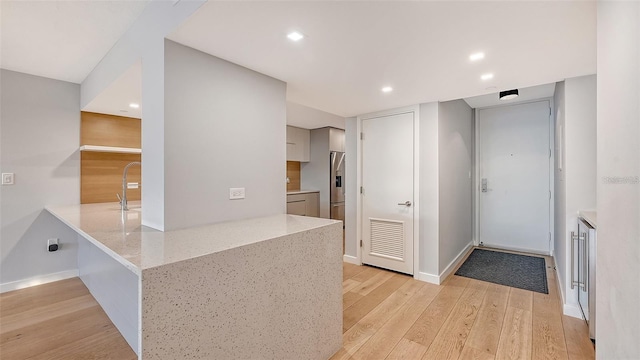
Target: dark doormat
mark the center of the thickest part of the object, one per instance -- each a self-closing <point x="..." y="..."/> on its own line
<point x="519" y="271"/>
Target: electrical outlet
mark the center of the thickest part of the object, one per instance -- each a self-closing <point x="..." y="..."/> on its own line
<point x="7" y="178"/>
<point x="52" y="245"/>
<point x="132" y="185"/>
<point x="236" y="193"/>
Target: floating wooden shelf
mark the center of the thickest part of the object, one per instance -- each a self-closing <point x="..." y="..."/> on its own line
<point x="110" y="149"/>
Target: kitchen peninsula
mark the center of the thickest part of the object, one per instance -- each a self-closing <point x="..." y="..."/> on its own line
<point x="269" y="287"/>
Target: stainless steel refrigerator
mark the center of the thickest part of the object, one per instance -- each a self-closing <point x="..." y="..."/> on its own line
<point x="336" y="185"/>
<point x="584" y="266"/>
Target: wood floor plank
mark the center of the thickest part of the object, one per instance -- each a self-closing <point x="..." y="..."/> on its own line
<point x="521" y="299"/>
<point x="108" y="344"/>
<point x="516" y="336"/>
<point x="390" y="334"/>
<point x="548" y="334"/>
<point x="349" y="298"/>
<point x="46" y="312"/>
<point x="576" y="333"/>
<point x="351" y="270"/>
<point x="372" y="283"/>
<point x="342" y="354"/>
<point x="425" y="329"/>
<point x="24" y="299"/>
<point x="359" y="333"/>
<point x="471" y="353"/>
<point x="485" y="333"/>
<point x="366" y="273"/>
<point x="361" y="308"/>
<point x="407" y="349"/>
<point x="45" y="336"/>
<point x="70" y="325"/>
<point x="450" y="340"/>
<point x="349" y="284"/>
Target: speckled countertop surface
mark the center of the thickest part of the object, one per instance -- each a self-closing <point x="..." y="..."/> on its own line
<point x="138" y="247"/>
<point x="590" y="216"/>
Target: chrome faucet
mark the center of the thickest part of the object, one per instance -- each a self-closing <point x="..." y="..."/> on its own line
<point x="123" y="199"/>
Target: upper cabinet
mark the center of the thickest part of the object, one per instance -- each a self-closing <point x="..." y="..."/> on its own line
<point x="297" y="144"/>
<point x="336" y="139"/>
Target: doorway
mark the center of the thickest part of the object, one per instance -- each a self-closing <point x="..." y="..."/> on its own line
<point x="387" y="194"/>
<point x="514" y="193"/>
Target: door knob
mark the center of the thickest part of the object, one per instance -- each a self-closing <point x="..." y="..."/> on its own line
<point x="406" y="203"/>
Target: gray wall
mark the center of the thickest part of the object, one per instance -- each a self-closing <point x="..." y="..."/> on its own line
<point x="618" y="161"/>
<point x="560" y="243"/>
<point x="455" y="159"/>
<point x="225" y="126"/>
<point x="40" y="132"/>
<point x="429" y="194"/>
<point x="575" y="109"/>
<point x="352" y="193"/>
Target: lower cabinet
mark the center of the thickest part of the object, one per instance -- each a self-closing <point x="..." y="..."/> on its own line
<point x="307" y="204"/>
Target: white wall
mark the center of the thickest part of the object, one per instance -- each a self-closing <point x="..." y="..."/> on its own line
<point x="429" y="194"/>
<point x="575" y="109"/>
<point x="561" y="240"/>
<point x="225" y="126"/>
<point x="315" y="174"/>
<point x="309" y="118"/>
<point x="352" y="193"/>
<point x="39" y="139"/>
<point x="618" y="198"/>
<point x="145" y="40"/>
<point x="455" y="158"/>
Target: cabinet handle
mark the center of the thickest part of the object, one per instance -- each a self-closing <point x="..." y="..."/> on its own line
<point x="585" y="265"/>
<point x="573" y="281"/>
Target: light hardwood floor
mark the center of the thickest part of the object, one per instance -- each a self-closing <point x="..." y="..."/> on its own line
<point x="392" y="316"/>
<point x="386" y="316"/>
<point x="59" y="320"/>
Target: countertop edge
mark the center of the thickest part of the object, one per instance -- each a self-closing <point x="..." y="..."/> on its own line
<point x="119" y="258"/>
<point x="297" y="192"/>
<point x="590" y="216"/>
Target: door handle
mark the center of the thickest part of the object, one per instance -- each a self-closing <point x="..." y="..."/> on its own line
<point x="406" y="203"/>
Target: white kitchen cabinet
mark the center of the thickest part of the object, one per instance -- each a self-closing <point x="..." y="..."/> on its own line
<point x="304" y="204"/>
<point x="297" y="144"/>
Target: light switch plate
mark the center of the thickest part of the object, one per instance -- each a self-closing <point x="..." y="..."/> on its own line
<point x="7" y="178"/>
<point x="236" y="193"/>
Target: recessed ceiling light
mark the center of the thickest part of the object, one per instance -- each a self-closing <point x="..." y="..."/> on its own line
<point x="387" y="89"/>
<point x="509" y="94"/>
<point x="134" y="105"/>
<point x="486" y="77"/>
<point x="295" y="36"/>
<point x="476" y="56"/>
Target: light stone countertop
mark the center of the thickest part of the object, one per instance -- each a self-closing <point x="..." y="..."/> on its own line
<point x="589" y="216"/>
<point x="121" y="235"/>
<point x="295" y="192"/>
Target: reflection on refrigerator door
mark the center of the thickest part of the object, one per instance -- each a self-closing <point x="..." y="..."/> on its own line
<point x="337" y="183"/>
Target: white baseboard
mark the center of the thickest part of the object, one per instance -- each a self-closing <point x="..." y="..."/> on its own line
<point x="426" y="277"/>
<point x="456" y="261"/>
<point x="572" y="310"/>
<point x="351" y="259"/>
<point x="38" y="280"/>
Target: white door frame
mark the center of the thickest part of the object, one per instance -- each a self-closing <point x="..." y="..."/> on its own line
<point x="415" y="109"/>
<point x="478" y="171"/>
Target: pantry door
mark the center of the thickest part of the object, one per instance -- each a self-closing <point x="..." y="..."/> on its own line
<point x="388" y="191"/>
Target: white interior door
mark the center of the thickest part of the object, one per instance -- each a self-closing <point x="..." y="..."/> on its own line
<point x="514" y="156"/>
<point x="387" y="199"/>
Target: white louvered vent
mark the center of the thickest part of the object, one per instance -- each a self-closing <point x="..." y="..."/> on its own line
<point x="387" y="238"/>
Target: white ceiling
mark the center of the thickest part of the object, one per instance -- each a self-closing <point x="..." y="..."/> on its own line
<point x="62" y="40"/>
<point x="116" y="98"/>
<point x="421" y="49"/>
<point x="524" y="94"/>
